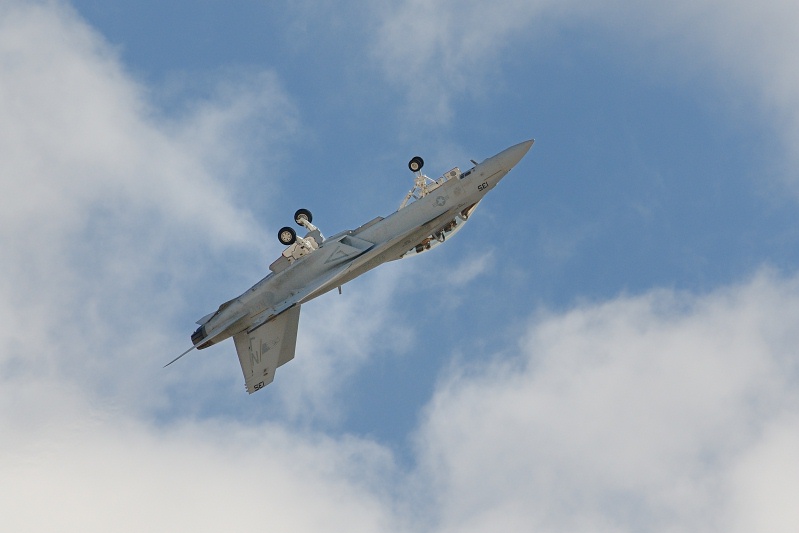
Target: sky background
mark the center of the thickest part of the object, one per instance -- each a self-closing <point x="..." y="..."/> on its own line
<point x="610" y="346"/>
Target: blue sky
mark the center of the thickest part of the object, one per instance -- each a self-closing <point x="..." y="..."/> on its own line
<point x="610" y="345"/>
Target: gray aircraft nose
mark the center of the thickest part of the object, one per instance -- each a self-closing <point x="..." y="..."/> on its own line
<point x="510" y="157"/>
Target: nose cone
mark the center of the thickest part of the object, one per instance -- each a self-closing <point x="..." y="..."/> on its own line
<point x="510" y="157"/>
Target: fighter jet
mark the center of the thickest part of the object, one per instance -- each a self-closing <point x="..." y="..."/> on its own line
<point x="264" y="320"/>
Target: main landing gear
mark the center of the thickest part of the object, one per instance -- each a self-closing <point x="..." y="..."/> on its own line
<point x="287" y="236"/>
<point x="300" y="246"/>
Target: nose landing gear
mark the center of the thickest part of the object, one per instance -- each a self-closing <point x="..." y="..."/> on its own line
<point x="287" y="236"/>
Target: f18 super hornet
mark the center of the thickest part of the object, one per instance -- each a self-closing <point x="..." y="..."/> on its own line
<point x="264" y="320"/>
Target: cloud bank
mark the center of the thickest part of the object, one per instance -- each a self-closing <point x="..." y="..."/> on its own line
<point x="109" y="206"/>
<point x="645" y="412"/>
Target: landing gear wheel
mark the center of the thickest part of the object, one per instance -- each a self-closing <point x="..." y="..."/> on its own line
<point x="303" y="214"/>
<point x="416" y="164"/>
<point x="287" y="236"/>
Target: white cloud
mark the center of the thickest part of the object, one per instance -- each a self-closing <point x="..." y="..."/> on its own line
<point x="111" y="209"/>
<point x="765" y="489"/>
<point x="86" y="468"/>
<point x="445" y="48"/>
<point x="662" y="412"/>
<point x="470" y="268"/>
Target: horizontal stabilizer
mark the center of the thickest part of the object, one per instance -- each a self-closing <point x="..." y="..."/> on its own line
<point x="263" y="349"/>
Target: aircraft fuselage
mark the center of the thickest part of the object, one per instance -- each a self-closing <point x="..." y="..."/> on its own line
<point x="346" y="255"/>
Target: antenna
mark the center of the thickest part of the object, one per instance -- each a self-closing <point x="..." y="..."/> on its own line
<point x="178" y="357"/>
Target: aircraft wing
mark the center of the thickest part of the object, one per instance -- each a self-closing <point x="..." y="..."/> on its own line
<point x="263" y="349"/>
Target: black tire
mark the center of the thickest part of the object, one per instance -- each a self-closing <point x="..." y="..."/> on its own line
<point x="287" y="236"/>
<point x="303" y="213"/>
<point x="416" y="164"/>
